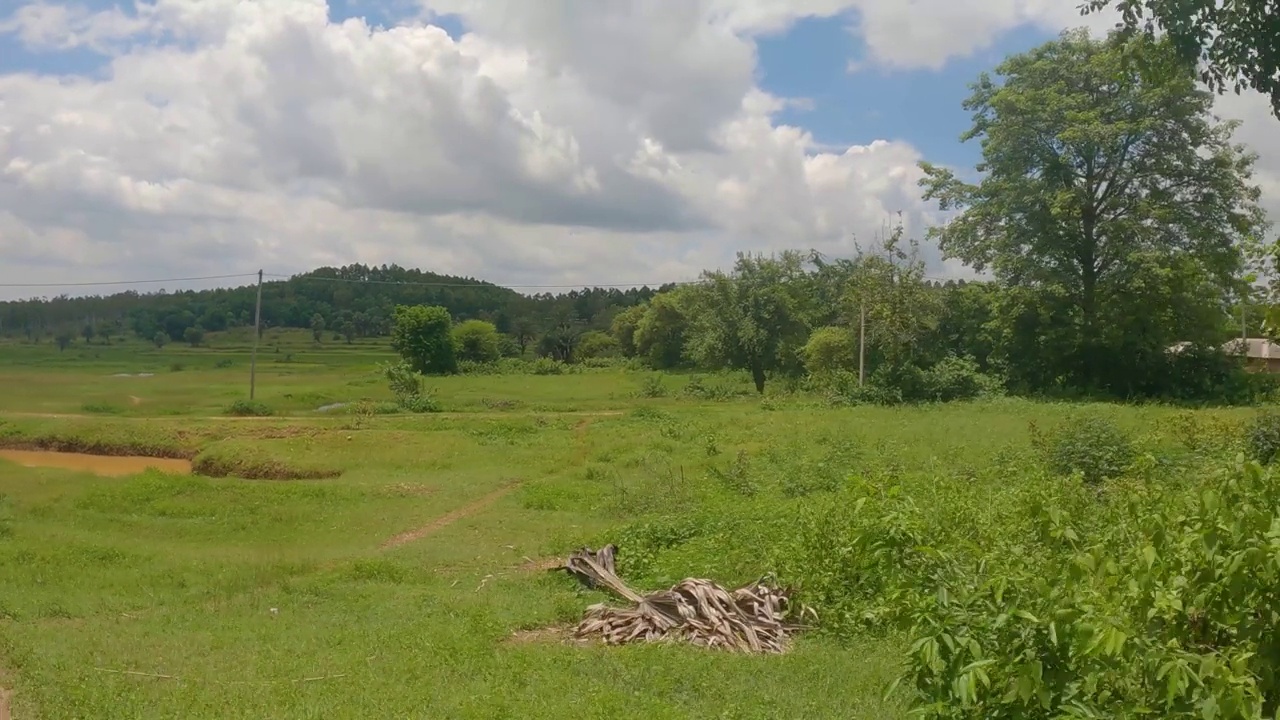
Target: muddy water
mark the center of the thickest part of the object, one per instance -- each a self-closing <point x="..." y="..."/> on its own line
<point x="104" y="465"/>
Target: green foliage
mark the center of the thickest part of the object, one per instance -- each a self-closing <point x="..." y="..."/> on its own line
<point x="193" y="336"/>
<point x="755" y="319"/>
<point x="1155" y="615"/>
<point x="830" y="349"/>
<point x="249" y="408"/>
<point x="597" y="345"/>
<point x="477" y="341"/>
<point x="661" y="331"/>
<point x="160" y="339"/>
<point x="422" y="336"/>
<point x="1119" y="236"/>
<point x="408" y="387"/>
<point x="651" y="386"/>
<point x="958" y="378"/>
<point x="1090" y="444"/>
<point x="624" y="325"/>
<point x="1234" y="44"/>
<point x="1262" y="437"/>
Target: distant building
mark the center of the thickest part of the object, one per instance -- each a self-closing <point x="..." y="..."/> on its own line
<point x="1260" y="353"/>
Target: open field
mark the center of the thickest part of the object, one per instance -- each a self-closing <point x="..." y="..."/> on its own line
<point x="394" y="588"/>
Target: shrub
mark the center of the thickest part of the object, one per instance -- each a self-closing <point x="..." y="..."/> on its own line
<point x="547" y="366"/>
<point x="421" y="403"/>
<point x="830" y="349"/>
<point x="957" y="378"/>
<point x="651" y="387"/>
<point x="594" y="345"/>
<point x="477" y="341"/>
<point x="408" y="387"/>
<point x="1091" y="445"/>
<point x="249" y="408"/>
<point x="1262" y="437"/>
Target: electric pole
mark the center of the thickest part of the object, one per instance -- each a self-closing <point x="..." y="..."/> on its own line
<point x="257" y="332"/>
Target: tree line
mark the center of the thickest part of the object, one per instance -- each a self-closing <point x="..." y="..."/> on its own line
<point x="1111" y="211"/>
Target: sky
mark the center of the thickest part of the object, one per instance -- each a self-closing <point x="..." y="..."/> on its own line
<point x="549" y="143"/>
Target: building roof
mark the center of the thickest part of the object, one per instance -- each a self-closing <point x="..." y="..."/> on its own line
<point x="1257" y="348"/>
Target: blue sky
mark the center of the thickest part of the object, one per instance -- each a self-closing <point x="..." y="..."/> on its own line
<point x="809" y="60"/>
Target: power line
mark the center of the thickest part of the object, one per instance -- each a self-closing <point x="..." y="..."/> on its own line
<point x="125" y="282"/>
<point x="477" y="284"/>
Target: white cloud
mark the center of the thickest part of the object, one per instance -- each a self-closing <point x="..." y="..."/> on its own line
<point x="613" y="143"/>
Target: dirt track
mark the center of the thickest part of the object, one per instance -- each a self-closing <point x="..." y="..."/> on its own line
<point x="451" y="517"/>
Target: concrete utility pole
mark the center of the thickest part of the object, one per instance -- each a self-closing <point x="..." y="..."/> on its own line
<point x="257" y="332"/>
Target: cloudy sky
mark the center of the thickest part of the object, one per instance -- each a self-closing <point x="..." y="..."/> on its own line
<point x="531" y="143"/>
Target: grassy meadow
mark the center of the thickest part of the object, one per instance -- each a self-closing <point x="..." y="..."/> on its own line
<point x="405" y="579"/>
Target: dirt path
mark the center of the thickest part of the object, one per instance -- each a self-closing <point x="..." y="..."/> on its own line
<point x="466" y="511"/>
<point x="4" y="704"/>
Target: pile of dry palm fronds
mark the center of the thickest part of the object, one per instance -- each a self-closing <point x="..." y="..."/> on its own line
<point x="749" y="619"/>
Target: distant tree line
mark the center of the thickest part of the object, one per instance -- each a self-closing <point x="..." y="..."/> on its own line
<point x="1114" y="215"/>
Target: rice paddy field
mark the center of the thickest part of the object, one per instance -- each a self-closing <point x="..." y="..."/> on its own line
<point x="325" y="563"/>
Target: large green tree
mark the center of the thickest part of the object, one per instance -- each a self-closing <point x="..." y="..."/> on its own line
<point x="423" y="336"/>
<point x="1235" y="42"/>
<point x="756" y="318"/>
<point x="1106" y="192"/>
<point x="659" y="335"/>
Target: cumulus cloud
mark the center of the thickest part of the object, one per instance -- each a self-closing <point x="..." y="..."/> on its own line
<point x="555" y="143"/>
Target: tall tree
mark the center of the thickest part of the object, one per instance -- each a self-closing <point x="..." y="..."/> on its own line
<point x="754" y="318"/>
<point x="886" y="289"/>
<point x="1099" y="178"/>
<point x="1237" y="41"/>
<point x="423" y="337"/>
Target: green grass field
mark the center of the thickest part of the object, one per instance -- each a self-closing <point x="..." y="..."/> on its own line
<point x="197" y="597"/>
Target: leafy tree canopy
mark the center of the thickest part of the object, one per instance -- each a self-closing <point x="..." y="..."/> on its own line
<point x="1236" y="42"/>
<point x="1100" y="182"/>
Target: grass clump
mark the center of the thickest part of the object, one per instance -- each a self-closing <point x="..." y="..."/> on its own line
<point x="249" y="408"/>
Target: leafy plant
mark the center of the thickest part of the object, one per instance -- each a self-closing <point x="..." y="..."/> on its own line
<point x="1262" y="437"/>
<point x="1091" y="445"/>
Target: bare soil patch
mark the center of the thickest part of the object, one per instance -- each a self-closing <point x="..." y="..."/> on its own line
<point x="450" y="518"/>
<point x="552" y="634"/>
<point x="103" y="465"/>
<point x="541" y="564"/>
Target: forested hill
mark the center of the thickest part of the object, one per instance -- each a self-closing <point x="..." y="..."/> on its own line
<point x="357" y="300"/>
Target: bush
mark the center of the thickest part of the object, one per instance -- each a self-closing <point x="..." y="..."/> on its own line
<point x="547" y="366"/>
<point x="477" y="341"/>
<point x="1262" y="437"/>
<point x="957" y="378"/>
<point x="594" y="345"/>
<point x="1091" y="445"/>
<point x="652" y="387"/>
<point x="830" y="349"/>
<point x="249" y="408"/>
<point x="408" y="387"/>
